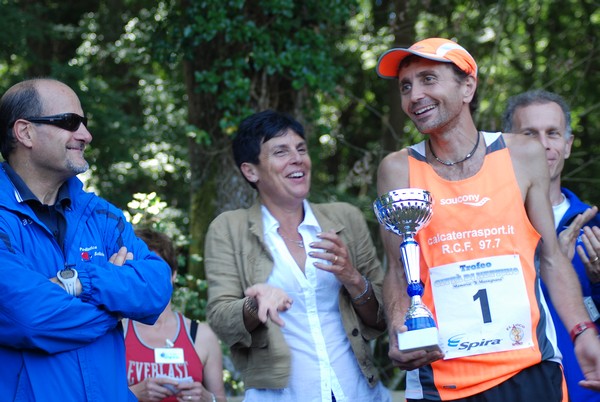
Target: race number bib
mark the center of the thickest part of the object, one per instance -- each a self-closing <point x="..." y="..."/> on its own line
<point x="481" y="306"/>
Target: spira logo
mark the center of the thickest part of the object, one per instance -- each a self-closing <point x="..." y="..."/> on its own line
<point x="467" y="199"/>
<point x="456" y="342"/>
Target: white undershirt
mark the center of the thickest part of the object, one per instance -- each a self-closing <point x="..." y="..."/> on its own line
<point x="560" y="210"/>
<point x="322" y="360"/>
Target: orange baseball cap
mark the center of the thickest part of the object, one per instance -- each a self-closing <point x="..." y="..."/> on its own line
<point x="438" y="49"/>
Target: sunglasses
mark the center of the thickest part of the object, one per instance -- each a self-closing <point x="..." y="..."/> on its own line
<point x="66" y="121"/>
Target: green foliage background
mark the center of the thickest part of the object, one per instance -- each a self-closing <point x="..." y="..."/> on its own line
<point x="165" y="84"/>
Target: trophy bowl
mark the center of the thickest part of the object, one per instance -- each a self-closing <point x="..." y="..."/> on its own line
<point x="404" y="211"/>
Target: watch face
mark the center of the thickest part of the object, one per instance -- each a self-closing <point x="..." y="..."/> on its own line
<point x="67" y="273"/>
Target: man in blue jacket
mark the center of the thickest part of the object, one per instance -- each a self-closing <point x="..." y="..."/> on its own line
<point x="71" y="266"/>
<point x="546" y="117"/>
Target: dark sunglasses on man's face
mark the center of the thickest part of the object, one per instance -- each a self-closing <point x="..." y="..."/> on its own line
<point x="66" y="121"/>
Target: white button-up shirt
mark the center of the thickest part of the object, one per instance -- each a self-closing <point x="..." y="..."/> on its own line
<point x="321" y="357"/>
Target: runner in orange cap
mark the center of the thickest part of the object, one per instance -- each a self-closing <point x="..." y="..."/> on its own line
<point x="478" y="253"/>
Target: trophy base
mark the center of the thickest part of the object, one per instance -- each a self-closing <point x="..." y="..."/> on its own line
<point x="419" y="339"/>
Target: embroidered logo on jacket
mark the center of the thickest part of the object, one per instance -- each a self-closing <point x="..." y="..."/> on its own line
<point x="87" y="253"/>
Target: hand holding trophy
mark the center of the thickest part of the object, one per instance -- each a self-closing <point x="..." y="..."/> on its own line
<point x="404" y="212"/>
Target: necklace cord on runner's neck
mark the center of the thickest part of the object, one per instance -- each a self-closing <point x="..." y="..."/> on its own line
<point x="446" y="163"/>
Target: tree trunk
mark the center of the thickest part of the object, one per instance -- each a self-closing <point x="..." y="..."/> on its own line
<point x="403" y="28"/>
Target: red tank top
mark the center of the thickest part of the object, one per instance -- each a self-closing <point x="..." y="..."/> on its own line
<point x="141" y="363"/>
<point x="477" y="250"/>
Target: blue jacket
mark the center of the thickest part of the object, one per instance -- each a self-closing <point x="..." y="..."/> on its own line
<point x="573" y="373"/>
<point x="53" y="346"/>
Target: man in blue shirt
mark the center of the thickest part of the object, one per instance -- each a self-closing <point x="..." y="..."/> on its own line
<point x="546" y="117"/>
<point x="71" y="265"/>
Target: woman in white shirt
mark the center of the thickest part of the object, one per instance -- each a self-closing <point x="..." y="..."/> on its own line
<point x="294" y="287"/>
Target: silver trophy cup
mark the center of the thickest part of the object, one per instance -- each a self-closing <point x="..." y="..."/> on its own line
<point x="404" y="212"/>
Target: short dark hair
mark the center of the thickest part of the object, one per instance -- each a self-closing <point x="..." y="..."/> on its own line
<point x="161" y="244"/>
<point x="460" y="76"/>
<point x="257" y="129"/>
<point x="21" y="100"/>
<point x="534" y="97"/>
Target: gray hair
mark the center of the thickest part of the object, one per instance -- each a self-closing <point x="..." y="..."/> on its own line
<point x="534" y="97"/>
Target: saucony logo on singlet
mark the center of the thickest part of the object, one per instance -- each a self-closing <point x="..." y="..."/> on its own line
<point x="467" y="199"/>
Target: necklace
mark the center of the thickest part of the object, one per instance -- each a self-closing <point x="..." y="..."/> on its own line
<point x="457" y="162"/>
<point x="298" y="243"/>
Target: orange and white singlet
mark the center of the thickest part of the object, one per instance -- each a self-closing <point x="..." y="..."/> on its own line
<point x="481" y="284"/>
<point x="141" y="361"/>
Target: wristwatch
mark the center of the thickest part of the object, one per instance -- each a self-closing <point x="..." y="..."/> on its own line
<point x="68" y="277"/>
